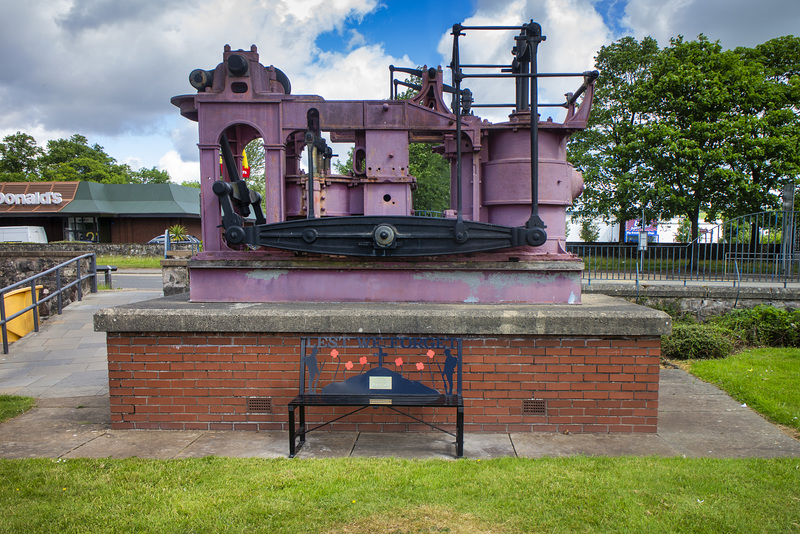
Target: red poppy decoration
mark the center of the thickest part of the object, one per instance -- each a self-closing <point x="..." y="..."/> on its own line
<point x="363" y="360"/>
<point x="398" y="362"/>
<point x="348" y="365"/>
<point x="420" y="366"/>
<point x="335" y="353"/>
<point x="431" y="354"/>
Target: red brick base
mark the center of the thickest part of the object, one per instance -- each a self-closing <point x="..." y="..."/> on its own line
<point x="194" y="381"/>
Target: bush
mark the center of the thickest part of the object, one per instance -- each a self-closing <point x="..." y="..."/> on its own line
<point x="696" y="341"/>
<point x="763" y="326"/>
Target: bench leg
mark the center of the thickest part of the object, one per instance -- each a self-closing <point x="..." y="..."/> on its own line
<point x="302" y="425"/>
<point x="460" y="432"/>
<point x="291" y="432"/>
<point x="296" y="431"/>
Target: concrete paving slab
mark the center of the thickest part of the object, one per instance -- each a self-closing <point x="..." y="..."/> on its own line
<point x="485" y="446"/>
<point x="136" y="444"/>
<point x="238" y="444"/>
<point x="326" y="445"/>
<point x="542" y="444"/>
<point x="53" y="430"/>
<point x="422" y="445"/>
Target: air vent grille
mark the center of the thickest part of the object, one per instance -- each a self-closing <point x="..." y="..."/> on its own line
<point x="259" y="404"/>
<point x="534" y="407"/>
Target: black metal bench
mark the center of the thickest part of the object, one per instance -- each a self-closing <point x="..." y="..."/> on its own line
<point x="364" y="371"/>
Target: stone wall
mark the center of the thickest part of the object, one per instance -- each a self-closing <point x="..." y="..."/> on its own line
<point x="120" y="249"/>
<point x="700" y="301"/>
<point x="14" y="268"/>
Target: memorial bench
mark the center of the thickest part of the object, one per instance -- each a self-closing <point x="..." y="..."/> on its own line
<point x="393" y="372"/>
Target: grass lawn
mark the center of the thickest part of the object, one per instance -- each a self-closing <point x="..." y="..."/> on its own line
<point x="365" y="495"/>
<point x="12" y="406"/>
<point x="767" y="379"/>
<point x="131" y="262"/>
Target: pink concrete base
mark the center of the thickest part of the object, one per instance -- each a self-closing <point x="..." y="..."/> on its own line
<point x="542" y="282"/>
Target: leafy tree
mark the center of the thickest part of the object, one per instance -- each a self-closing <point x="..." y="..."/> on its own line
<point x="255" y="159"/>
<point x="73" y="159"/>
<point x="606" y="152"/>
<point x="19" y="158"/>
<point x="433" y="178"/>
<point x="148" y="176"/>
<point x="589" y="232"/>
<point x="715" y="141"/>
<point x="684" y="233"/>
<point x="768" y="129"/>
<point x="690" y="129"/>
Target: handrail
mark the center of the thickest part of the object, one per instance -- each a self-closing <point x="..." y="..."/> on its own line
<point x="57" y="294"/>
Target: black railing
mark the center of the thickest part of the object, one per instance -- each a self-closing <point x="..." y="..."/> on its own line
<point x="57" y="293"/>
<point x="762" y="247"/>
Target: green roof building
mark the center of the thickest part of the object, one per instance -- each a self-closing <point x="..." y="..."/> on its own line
<point x="105" y="213"/>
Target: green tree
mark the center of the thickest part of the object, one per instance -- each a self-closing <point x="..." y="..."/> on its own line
<point x="768" y="126"/>
<point x="74" y="160"/>
<point x="607" y="151"/>
<point x="433" y="178"/>
<point x="589" y="232"/>
<point x="255" y="159"/>
<point x="148" y="176"/>
<point x="713" y="125"/>
<point x="19" y="158"/>
<point x="684" y="233"/>
<point x="690" y="129"/>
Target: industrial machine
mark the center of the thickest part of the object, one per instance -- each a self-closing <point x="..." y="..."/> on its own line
<point x="510" y="181"/>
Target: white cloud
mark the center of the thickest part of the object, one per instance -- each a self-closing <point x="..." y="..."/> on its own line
<point x="358" y="74"/>
<point x="179" y="170"/>
<point x="732" y="22"/>
<point x="574" y="32"/>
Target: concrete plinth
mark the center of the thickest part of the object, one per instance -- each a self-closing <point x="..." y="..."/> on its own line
<point x="175" y="364"/>
<point x="349" y="280"/>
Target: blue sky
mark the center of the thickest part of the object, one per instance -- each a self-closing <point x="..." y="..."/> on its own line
<point x="107" y="69"/>
<point x="404" y="27"/>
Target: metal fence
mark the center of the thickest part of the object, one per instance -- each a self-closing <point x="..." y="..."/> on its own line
<point x="761" y="247"/>
<point x="60" y="287"/>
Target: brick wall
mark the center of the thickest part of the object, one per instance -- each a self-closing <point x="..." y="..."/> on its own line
<point x="202" y="382"/>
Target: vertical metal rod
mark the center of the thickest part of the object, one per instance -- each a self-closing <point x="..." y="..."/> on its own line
<point x="310" y="210"/>
<point x="35" y="304"/>
<point x="58" y="290"/>
<point x="5" y="325"/>
<point x="534" y="36"/>
<point x="80" y="281"/>
<point x="93" y="269"/>
<point x="456" y="69"/>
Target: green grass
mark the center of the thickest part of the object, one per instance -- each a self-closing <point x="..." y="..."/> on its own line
<point x="12" y="406"/>
<point x="131" y="262"/>
<point x="766" y="379"/>
<point x="365" y="495"/>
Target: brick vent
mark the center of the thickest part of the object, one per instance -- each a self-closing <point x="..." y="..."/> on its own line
<point x="259" y="405"/>
<point x="534" y="407"/>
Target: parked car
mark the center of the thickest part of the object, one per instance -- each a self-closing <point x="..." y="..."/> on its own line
<point x="189" y="239"/>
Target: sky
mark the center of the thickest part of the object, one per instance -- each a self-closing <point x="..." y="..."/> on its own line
<point x="106" y="69"/>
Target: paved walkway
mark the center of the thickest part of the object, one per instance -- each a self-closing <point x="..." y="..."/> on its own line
<point x="64" y="366"/>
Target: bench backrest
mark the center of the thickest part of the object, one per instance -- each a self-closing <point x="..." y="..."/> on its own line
<point x="381" y="365"/>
